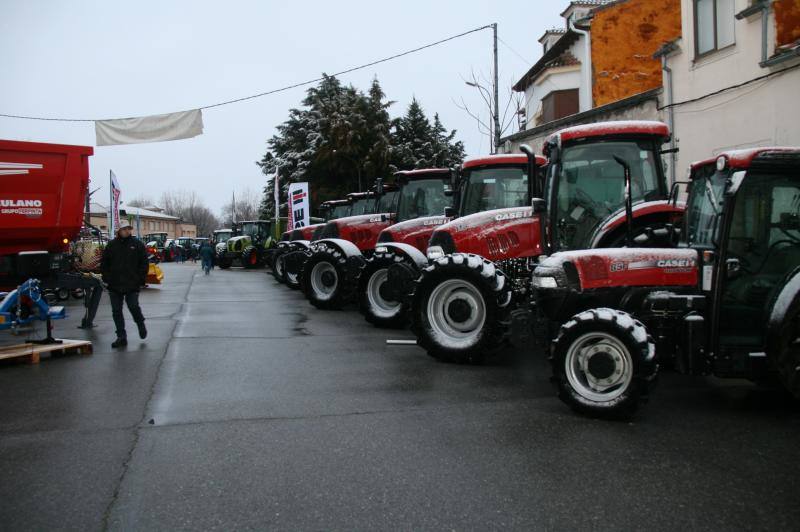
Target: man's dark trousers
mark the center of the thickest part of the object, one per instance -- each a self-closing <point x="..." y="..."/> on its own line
<point x="132" y="299"/>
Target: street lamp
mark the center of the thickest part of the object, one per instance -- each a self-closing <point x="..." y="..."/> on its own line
<point x="355" y="163"/>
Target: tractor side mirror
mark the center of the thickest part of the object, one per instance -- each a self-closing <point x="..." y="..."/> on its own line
<point x="450" y="212"/>
<point x="539" y="205"/>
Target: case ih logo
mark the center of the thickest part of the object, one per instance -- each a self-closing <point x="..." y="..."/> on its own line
<point x="512" y="215"/>
<point x="18" y="168"/>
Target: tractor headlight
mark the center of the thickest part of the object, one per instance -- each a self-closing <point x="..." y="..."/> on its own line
<point x="435" y="252"/>
<point x="381" y="249"/>
<point x="545" y="282"/>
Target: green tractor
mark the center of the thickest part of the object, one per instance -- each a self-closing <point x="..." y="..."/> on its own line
<point x="249" y="246"/>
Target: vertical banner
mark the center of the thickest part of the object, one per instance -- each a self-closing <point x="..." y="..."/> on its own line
<point x="113" y="222"/>
<point x="298" y="205"/>
<point x="276" y="188"/>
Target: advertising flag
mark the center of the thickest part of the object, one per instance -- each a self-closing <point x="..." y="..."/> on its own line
<point x="115" y="192"/>
<point x="298" y="205"/>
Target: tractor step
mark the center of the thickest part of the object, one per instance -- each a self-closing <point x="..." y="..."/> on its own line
<point x="30" y="353"/>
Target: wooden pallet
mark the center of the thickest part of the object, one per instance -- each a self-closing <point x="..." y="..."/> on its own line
<point x="30" y="353"/>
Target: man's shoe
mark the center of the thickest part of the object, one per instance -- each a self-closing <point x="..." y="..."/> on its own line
<point x="85" y="325"/>
<point x="120" y="342"/>
<point x="142" y="331"/>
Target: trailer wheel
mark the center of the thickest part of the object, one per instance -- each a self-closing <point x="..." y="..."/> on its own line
<point x="787" y="358"/>
<point x="325" y="280"/>
<point x="250" y="258"/>
<point x="78" y="293"/>
<point x="277" y="266"/>
<point x="458" y="309"/>
<point x="378" y="307"/>
<point x="62" y="294"/>
<point x="603" y="363"/>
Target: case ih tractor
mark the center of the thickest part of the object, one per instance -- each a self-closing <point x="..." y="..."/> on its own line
<point x="726" y="302"/>
<point x="480" y="264"/>
<point x="298" y="239"/>
<point x="399" y="255"/>
<point x="334" y="263"/>
<point x="250" y="245"/>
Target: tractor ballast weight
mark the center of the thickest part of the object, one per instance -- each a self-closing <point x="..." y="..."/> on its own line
<point x="725" y="303"/>
<point x="477" y="282"/>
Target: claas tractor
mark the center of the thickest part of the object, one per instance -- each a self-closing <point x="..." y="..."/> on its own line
<point x="249" y="247"/>
<point x="478" y="276"/>
<point x="332" y="271"/>
<point x="400" y="253"/>
<point x="297" y="240"/>
<point x="725" y="302"/>
<point x="221" y="236"/>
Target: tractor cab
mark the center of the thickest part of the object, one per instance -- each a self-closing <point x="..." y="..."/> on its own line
<point x="335" y="209"/>
<point x="744" y="221"/>
<point x="586" y="186"/>
<point x="249" y="245"/>
<point x="221" y="236"/>
<point x="156" y="240"/>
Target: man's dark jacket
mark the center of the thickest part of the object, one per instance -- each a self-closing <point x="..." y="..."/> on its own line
<point x="124" y="265"/>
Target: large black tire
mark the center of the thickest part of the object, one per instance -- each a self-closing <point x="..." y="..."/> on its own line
<point x="277" y="265"/>
<point x="604" y="363"/>
<point x="223" y="262"/>
<point x="787" y="355"/>
<point x="291" y="280"/>
<point x="250" y="258"/>
<point x="377" y="307"/>
<point x="62" y="294"/>
<point x="459" y="309"/>
<point x="325" y="280"/>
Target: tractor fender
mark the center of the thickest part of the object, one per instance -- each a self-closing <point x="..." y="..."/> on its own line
<point x="781" y="306"/>
<point x="407" y="250"/>
<point x="345" y="246"/>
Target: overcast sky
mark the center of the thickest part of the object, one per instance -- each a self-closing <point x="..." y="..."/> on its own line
<point x="101" y="59"/>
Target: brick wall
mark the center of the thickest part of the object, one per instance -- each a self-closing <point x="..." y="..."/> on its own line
<point x="787" y="21"/>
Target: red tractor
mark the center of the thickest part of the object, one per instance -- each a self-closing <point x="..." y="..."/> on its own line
<point x="480" y="264"/>
<point x="726" y="302"/>
<point x="399" y="258"/>
<point x="298" y="239"/>
<point x="334" y="263"/>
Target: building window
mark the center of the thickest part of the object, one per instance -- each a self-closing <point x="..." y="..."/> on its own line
<point x="559" y="104"/>
<point x="713" y="25"/>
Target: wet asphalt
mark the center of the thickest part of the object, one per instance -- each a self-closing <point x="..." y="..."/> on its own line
<point x="245" y="408"/>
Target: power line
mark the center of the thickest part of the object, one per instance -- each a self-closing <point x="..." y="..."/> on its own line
<point x="731" y="87"/>
<point x="281" y="89"/>
<point x="526" y="61"/>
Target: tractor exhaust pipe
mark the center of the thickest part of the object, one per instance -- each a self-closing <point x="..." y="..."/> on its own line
<point x="533" y="191"/>
<point x="626" y="170"/>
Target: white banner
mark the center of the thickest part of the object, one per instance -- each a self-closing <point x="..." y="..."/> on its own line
<point x="298" y="205"/>
<point x="155" y="128"/>
<point x="113" y="222"/>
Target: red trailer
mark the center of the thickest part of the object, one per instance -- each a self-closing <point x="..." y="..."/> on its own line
<point x="43" y="190"/>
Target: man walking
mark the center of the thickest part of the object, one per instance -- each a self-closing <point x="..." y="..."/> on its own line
<point x="124" y="267"/>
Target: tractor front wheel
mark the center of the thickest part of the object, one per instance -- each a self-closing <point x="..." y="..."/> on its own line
<point x="223" y="262"/>
<point x="292" y="280"/>
<point x="379" y="305"/>
<point x="325" y="280"/>
<point x="787" y="358"/>
<point x="458" y="309"/>
<point x="277" y="265"/>
<point x="603" y="363"/>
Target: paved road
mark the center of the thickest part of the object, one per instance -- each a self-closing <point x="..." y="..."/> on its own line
<point x="247" y="409"/>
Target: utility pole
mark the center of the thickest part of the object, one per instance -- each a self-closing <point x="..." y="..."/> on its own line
<point x="496" y="112"/>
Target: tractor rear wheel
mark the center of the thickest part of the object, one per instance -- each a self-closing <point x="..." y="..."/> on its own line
<point x="787" y="359"/>
<point x="325" y="280"/>
<point x="603" y="363"/>
<point x="223" y="262"/>
<point x="250" y="258"/>
<point x="379" y="307"/>
<point x="458" y="309"/>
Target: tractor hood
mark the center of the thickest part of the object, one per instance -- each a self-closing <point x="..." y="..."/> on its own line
<point x="497" y="234"/>
<point x="362" y="230"/>
<point x="622" y="267"/>
<point x="238" y="243"/>
<point x="414" y="232"/>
